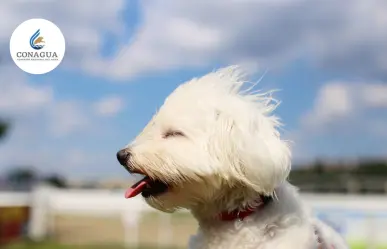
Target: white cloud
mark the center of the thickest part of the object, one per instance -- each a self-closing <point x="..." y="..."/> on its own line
<point x="109" y="106"/>
<point x="43" y="128"/>
<point x="44" y="136"/>
<point x="333" y="101"/>
<point x="375" y="95"/>
<point x="347" y="36"/>
<point x="18" y="97"/>
<point x="337" y="101"/>
<point x="56" y="138"/>
<point x="24" y="103"/>
<point x="347" y="119"/>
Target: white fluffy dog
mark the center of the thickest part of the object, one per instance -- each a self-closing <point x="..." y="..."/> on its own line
<point x="214" y="148"/>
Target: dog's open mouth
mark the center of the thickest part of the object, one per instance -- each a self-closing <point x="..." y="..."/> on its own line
<point x="147" y="187"/>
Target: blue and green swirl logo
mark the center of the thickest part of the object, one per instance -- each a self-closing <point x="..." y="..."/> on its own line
<point x="36" y="41"/>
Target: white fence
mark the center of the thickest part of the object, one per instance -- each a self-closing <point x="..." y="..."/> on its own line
<point x="361" y="219"/>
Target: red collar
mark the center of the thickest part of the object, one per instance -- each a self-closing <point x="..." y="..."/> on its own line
<point x="241" y="214"/>
<point x="234" y="215"/>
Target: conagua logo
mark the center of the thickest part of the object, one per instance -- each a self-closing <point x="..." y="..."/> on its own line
<point x="37" y="46"/>
<point x="37" y="43"/>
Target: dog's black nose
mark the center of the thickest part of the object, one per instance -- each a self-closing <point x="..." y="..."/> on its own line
<point x="123" y="156"/>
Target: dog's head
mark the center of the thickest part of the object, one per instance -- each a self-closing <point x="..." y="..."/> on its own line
<point x="212" y="140"/>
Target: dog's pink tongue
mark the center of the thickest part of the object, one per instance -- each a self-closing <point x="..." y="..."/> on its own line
<point x="136" y="188"/>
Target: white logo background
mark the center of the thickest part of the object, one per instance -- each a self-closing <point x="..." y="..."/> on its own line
<point x="53" y="41"/>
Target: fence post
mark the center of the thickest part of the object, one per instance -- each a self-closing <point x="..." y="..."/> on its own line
<point x="165" y="230"/>
<point x="371" y="231"/>
<point x="38" y="226"/>
<point x="130" y="223"/>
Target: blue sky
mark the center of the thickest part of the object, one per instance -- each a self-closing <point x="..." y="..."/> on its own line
<point x="124" y="57"/>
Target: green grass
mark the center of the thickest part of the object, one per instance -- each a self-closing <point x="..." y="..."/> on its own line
<point x="362" y="245"/>
<point x="52" y="245"/>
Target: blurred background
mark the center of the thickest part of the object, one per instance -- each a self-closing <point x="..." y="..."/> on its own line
<point x="60" y="184"/>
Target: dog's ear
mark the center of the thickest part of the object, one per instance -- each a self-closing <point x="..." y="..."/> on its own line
<point x="253" y="151"/>
<point x="266" y="158"/>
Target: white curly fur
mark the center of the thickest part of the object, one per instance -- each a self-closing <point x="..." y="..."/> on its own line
<point x="230" y="153"/>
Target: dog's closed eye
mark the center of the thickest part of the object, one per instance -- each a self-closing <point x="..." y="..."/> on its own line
<point x="172" y="133"/>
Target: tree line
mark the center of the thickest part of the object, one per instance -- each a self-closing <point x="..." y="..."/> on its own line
<point x="362" y="167"/>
